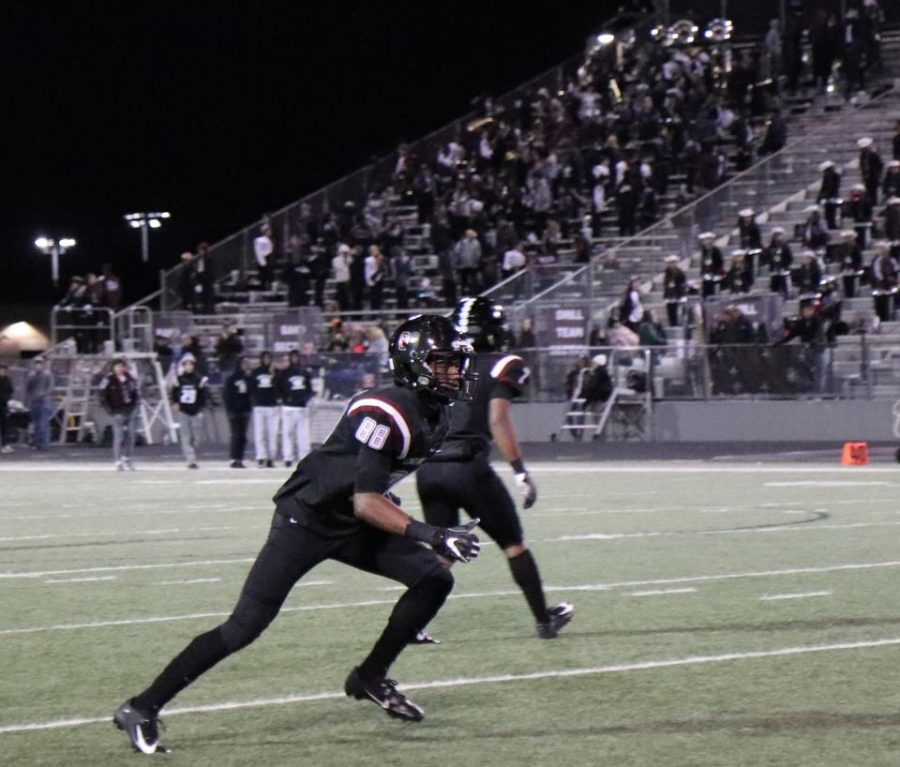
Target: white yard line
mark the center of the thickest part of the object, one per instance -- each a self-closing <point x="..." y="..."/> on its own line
<point x="187" y="583"/>
<point x="147" y="511"/>
<point x="661" y="592"/>
<point x="590" y="587"/>
<point x="829" y="483"/>
<point x="123" y="533"/>
<point x="125" y="568"/>
<point x="805" y="595"/>
<point x="82" y="580"/>
<point x="775" y="528"/>
<point x="650" y="665"/>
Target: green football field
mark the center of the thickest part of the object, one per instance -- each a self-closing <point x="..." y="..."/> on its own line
<point x="725" y="615"/>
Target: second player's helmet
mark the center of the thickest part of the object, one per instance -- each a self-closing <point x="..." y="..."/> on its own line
<point x="482" y="323"/>
<point x="421" y="342"/>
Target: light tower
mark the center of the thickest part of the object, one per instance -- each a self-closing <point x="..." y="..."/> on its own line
<point x="145" y="221"/>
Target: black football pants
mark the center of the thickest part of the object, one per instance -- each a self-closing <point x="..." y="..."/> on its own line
<point x="445" y="487"/>
<point x="289" y="553"/>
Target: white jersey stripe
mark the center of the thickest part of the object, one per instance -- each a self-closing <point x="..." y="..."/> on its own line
<point x="395" y="415"/>
<point x="502" y="363"/>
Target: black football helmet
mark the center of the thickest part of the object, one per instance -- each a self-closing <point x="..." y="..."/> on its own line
<point x="482" y="323"/>
<point x="419" y="342"/>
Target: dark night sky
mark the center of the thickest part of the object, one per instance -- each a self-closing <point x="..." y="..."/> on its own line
<point x="220" y="111"/>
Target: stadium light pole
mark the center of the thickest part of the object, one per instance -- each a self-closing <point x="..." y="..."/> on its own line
<point x="145" y="221"/>
<point x="54" y="248"/>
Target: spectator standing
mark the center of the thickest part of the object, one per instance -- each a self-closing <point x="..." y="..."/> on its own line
<point x="630" y="309"/>
<point x="229" y="347"/>
<point x="294" y="385"/>
<point x="871" y="166"/>
<point x="320" y="268"/>
<point x="468" y="253"/>
<point x="780" y="259"/>
<point x="375" y="273"/>
<point x="885" y="278"/>
<point x="264" y="399"/>
<point x="189" y="396"/>
<point x="6" y="393"/>
<point x="830" y="192"/>
<point x="851" y="262"/>
<point x="120" y="397"/>
<point x="205" y="278"/>
<point x="401" y="266"/>
<point x="38" y="399"/>
<point x="674" y="289"/>
<point x="236" y="394"/>
<point x="895" y="142"/>
<point x="712" y="264"/>
<point x="264" y="253"/>
<point x="858" y="209"/>
<point x="513" y="260"/>
<point x="340" y="266"/>
<point x="357" y="279"/>
<point x="111" y="289"/>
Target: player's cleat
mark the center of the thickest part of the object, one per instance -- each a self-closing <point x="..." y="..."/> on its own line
<point x="6" y="449"/>
<point x="193" y="466"/>
<point x="288" y="464"/>
<point x="120" y="466"/>
<point x="423" y="637"/>
<point x="559" y="617"/>
<point x="141" y="727"/>
<point x="238" y="465"/>
<point x="128" y="464"/>
<point x="384" y="693"/>
<point x="260" y="462"/>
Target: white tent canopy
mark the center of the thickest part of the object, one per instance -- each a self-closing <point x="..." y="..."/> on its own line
<point x="22" y="337"/>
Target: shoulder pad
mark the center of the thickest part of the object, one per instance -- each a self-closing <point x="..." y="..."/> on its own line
<point x="381" y="419"/>
<point x="511" y="370"/>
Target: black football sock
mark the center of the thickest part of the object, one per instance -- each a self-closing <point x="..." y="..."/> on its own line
<point x="525" y="574"/>
<point x="204" y="652"/>
<point x="411" y="613"/>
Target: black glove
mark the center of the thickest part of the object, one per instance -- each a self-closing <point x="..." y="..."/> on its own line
<point x="528" y="488"/>
<point x="457" y="543"/>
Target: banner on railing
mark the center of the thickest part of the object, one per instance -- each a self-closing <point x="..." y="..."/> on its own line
<point x="294" y="329"/>
<point x="562" y="329"/>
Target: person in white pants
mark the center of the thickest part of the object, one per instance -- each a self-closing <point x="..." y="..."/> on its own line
<point x="264" y="399"/>
<point x="294" y="385"/>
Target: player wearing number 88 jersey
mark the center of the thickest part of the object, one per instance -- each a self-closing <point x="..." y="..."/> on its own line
<point x="334" y="507"/>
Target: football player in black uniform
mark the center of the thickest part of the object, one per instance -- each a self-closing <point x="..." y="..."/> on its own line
<point x="335" y="506"/>
<point x="460" y="474"/>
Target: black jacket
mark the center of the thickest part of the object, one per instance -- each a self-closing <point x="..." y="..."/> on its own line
<point x="236" y="392"/>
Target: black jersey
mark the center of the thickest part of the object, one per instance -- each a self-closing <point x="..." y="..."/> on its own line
<point x="190" y="393"/>
<point x="499" y="376"/>
<point x="294" y="386"/>
<point x="262" y="388"/>
<point x="384" y="435"/>
<point x="236" y="392"/>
